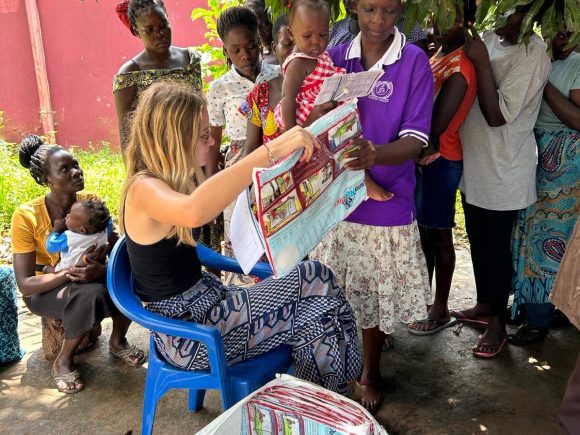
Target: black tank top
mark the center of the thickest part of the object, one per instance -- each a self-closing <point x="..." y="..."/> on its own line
<point x="163" y="269"/>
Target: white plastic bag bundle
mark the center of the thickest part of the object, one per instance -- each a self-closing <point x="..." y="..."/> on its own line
<point x="291" y="406"/>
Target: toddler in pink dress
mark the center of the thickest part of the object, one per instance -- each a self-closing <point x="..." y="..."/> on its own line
<point x="306" y="68"/>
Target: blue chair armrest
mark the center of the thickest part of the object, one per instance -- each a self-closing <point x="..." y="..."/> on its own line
<point x="129" y="304"/>
<point x="212" y="259"/>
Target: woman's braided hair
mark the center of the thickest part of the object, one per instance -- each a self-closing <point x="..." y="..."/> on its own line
<point x="99" y="215"/>
<point x="34" y="155"/>
<point x="237" y="16"/>
<point x="136" y="7"/>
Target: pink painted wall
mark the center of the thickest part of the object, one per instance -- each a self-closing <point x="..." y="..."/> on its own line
<point x="84" y="44"/>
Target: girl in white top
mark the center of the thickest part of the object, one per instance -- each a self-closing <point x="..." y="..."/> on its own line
<point x="238" y="30"/>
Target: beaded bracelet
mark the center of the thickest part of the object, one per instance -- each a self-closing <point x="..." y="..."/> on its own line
<point x="270" y="155"/>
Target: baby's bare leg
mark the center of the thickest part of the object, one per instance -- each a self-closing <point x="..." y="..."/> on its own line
<point x="375" y="191"/>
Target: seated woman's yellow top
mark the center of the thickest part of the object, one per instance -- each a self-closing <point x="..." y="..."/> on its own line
<point x="31" y="226"/>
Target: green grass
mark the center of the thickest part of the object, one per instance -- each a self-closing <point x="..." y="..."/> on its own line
<point x="104" y="175"/>
<point x="459" y="231"/>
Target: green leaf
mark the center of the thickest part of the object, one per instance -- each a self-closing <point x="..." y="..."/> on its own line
<point x="198" y="13"/>
<point x="572" y="16"/>
<point x="574" y="41"/>
<point x="411" y="16"/>
<point x="527" y="24"/>
<point x="482" y="10"/>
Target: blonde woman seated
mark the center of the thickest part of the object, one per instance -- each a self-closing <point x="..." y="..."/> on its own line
<point x="165" y="196"/>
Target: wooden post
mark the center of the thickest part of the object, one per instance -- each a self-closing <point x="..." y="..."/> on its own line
<point x="46" y="113"/>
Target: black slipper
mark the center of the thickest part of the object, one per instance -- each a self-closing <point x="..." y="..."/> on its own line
<point x="527" y="334"/>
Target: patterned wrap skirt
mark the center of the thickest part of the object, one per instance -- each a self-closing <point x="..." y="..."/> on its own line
<point x="9" y="342"/>
<point x="305" y="309"/>
<point x="382" y="271"/>
<point x="543" y="230"/>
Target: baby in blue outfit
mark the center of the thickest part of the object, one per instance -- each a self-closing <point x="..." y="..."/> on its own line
<point x="88" y="223"/>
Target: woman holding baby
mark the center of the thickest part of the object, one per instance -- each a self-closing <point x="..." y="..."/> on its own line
<point x="76" y="295"/>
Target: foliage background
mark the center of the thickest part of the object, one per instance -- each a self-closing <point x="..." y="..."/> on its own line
<point x="103" y="169"/>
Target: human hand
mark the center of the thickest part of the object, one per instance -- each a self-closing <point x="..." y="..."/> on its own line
<point x="93" y="253"/>
<point x="292" y="140"/>
<point x="59" y="225"/>
<point x="428" y="159"/>
<point x="48" y="269"/>
<point x="475" y="48"/>
<point x="428" y="154"/>
<point x="319" y="111"/>
<point x="91" y="265"/>
<point x="91" y="272"/>
<point x="363" y="157"/>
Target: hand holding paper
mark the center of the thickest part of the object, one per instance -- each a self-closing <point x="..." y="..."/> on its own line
<point x="347" y="86"/>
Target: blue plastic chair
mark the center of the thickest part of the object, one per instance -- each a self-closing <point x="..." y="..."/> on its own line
<point x="234" y="382"/>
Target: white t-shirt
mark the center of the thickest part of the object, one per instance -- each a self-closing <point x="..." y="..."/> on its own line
<point x="226" y="95"/>
<point x="77" y="244"/>
<point x="499" y="163"/>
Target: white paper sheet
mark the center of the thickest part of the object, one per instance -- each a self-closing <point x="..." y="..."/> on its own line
<point x="246" y="240"/>
<point x="346" y="86"/>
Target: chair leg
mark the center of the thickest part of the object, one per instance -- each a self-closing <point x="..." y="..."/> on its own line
<point x="196" y="398"/>
<point x="149" y="408"/>
<point x="227" y="400"/>
<point x="150" y="397"/>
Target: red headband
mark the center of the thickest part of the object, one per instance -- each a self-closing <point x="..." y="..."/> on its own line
<point x="121" y="10"/>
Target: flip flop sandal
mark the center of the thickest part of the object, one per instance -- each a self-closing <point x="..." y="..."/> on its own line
<point x="464" y="318"/>
<point x="527" y="334"/>
<point x="481" y="354"/>
<point x="73" y="377"/>
<point x="440" y="325"/>
<point x="132" y="356"/>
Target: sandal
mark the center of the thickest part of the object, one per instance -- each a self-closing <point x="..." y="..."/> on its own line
<point x="527" y="334"/>
<point x="435" y="325"/>
<point x="480" y="354"/>
<point x="73" y="377"/>
<point x="464" y="318"/>
<point x="131" y="356"/>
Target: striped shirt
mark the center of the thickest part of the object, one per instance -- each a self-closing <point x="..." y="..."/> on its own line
<point x="310" y="87"/>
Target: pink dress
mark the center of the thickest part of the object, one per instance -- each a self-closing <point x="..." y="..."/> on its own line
<point x="311" y="86"/>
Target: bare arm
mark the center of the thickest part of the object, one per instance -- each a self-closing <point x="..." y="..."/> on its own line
<point x="28" y="282"/>
<point x="399" y="151"/>
<point x="254" y="138"/>
<point x="214" y="156"/>
<point x="294" y="76"/>
<point x="566" y="109"/>
<point x="394" y="153"/>
<point x="156" y="200"/>
<point x="124" y="100"/>
<point x="487" y="93"/>
<point x="447" y="103"/>
<point x="319" y="111"/>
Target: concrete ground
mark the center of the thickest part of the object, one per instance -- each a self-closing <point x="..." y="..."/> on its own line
<point x="432" y="385"/>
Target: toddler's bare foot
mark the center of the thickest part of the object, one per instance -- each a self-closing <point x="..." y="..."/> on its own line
<point x="376" y="192"/>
